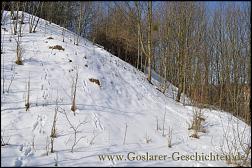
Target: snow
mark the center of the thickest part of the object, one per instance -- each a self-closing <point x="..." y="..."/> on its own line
<point x="124" y="97"/>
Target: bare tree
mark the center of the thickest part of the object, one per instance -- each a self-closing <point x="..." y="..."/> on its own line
<point x="19" y="51"/>
<point x="16" y="18"/>
<point x="149" y="39"/>
<point x="2" y="62"/>
<point x="53" y="130"/>
<point x="21" y="21"/>
<point x="73" y="107"/>
<point x="236" y="140"/>
<point x="79" y="24"/>
<point x="147" y="52"/>
<point x="75" y="130"/>
<point x="3" y="5"/>
<point x="33" y="19"/>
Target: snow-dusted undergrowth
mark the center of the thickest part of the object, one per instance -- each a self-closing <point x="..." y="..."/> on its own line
<point x="124" y="97"/>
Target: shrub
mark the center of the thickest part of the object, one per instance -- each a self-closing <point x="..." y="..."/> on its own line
<point x="19" y="52"/>
<point x="196" y="125"/>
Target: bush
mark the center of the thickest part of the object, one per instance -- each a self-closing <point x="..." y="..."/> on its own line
<point x="196" y="125"/>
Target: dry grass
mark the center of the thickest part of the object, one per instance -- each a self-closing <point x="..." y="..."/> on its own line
<point x="73" y="108"/>
<point x="20" y="52"/>
<point x="96" y="81"/>
<point x="147" y="139"/>
<point x="27" y="106"/>
<point x="58" y="47"/>
<point x="19" y="62"/>
<point x="196" y="125"/>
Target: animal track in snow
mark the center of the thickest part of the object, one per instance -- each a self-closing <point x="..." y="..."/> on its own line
<point x="25" y="154"/>
<point x="97" y="122"/>
<point x="38" y="126"/>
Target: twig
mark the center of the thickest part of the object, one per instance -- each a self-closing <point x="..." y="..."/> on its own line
<point x="126" y="126"/>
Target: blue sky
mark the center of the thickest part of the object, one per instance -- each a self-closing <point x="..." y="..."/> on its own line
<point x="214" y="4"/>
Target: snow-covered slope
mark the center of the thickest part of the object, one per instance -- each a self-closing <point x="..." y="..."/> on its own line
<point x="124" y="97"/>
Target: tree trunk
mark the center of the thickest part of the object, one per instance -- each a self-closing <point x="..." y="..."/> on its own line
<point x="149" y="39"/>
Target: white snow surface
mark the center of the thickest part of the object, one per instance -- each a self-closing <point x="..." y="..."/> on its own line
<point x="124" y="97"/>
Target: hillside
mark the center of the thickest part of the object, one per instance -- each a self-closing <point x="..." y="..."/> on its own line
<point x="123" y="100"/>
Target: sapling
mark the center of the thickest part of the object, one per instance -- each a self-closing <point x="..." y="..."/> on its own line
<point x="73" y="107"/>
<point x="163" y="134"/>
<point x="19" y="51"/>
<point x="12" y="78"/>
<point x="47" y="145"/>
<point x="33" y="142"/>
<point x="4" y="141"/>
<point x="125" y="133"/>
<point x="94" y="136"/>
<point x="75" y="129"/>
<point x="157" y="126"/>
<point x="52" y="144"/>
<point x="53" y="130"/>
<point x="147" y="138"/>
<point x="56" y="160"/>
<point x="169" y="137"/>
<point x="27" y="102"/>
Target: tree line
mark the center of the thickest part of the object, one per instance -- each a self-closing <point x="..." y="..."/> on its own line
<point x="205" y="53"/>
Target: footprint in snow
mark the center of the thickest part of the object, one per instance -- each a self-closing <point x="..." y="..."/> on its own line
<point x="18" y="162"/>
<point x="38" y="126"/>
<point x="21" y="147"/>
<point x="28" y="152"/>
<point x="25" y="153"/>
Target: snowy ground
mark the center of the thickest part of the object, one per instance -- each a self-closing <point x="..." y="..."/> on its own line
<point x="125" y="97"/>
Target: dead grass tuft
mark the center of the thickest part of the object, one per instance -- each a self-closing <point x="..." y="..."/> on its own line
<point x="196" y="125"/>
<point x="96" y="81"/>
<point x="58" y="47"/>
<point x="19" y="62"/>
